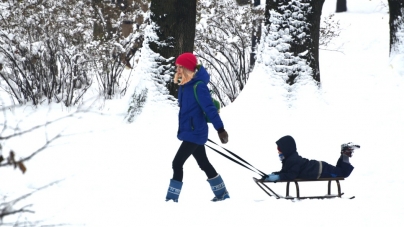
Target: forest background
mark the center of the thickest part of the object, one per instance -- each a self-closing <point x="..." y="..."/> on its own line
<point x="80" y="63"/>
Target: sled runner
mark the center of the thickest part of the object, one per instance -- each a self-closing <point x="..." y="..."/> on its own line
<point x="263" y="185"/>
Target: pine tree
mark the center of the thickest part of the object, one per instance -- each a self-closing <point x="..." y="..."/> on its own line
<point x="175" y="27"/>
<point x="293" y="30"/>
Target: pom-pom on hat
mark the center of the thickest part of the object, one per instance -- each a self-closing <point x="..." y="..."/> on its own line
<point x="187" y="60"/>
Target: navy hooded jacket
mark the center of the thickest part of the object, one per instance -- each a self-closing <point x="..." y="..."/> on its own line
<point x="294" y="166"/>
<point x="192" y="123"/>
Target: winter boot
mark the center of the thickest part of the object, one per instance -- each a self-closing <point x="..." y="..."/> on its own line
<point x="348" y="148"/>
<point x="218" y="188"/>
<point x="174" y="190"/>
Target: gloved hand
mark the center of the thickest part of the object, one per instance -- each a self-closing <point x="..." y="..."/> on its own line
<point x="224" y="137"/>
<point x="272" y="177"/>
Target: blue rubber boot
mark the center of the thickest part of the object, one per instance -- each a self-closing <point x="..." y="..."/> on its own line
<point x="218" y="188"/>
<point x="174" y="190"/>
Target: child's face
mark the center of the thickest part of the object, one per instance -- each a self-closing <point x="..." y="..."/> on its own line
<point x="281" y="157"/>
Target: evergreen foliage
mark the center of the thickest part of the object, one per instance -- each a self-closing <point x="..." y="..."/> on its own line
<point x="287" y="26"/>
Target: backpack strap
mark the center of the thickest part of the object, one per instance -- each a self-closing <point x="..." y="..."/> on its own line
<point x="196" y="95"/>
<point x="215" y="102"/>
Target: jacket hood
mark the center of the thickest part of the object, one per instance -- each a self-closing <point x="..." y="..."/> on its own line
<point x="287" y="146"/>
<point x="202" y="75"/>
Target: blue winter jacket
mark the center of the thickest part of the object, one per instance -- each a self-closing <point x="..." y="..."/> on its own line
<point x="294" y="166"/>
<point x="192" y="123"/>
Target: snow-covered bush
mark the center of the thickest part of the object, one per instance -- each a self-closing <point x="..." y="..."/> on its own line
<point x="138" y="100"/>
<point x="46" y="50"/>
<point x="116" y="47"/>
<point x="329" y="30"/>
<point x="223" y="45"/>
<point x="52" y="51"/>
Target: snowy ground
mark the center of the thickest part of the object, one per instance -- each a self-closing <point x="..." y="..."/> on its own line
<point x="117" y="174"/>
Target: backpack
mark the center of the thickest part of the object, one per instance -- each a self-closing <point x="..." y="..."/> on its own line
<point x="215" y="102"/>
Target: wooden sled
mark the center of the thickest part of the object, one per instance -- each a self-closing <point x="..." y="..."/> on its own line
<point x="263" y="185"/>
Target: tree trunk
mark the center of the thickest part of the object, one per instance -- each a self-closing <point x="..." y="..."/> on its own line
<point x="341" y="6"/>
<point x="301" y="19"/>
<point x="255" y="37"/>
<point x="243" y="2"/>
<point x="396" y="8"/>
<point x="176" y="20"/>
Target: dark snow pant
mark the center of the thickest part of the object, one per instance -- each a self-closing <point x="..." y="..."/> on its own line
<point x="342" y="169"/>
<point x="198" y="151"/>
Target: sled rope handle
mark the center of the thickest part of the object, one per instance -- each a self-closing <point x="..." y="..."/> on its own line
<point x="259" y="172"/>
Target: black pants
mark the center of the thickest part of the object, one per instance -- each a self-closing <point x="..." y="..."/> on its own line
<point x="198" y="151"/>
<point x="342" y="169"/>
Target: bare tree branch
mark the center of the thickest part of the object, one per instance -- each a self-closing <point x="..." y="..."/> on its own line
<point x="7" y="208"/>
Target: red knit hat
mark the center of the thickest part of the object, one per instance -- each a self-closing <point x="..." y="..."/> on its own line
<point x="187" y="60"/>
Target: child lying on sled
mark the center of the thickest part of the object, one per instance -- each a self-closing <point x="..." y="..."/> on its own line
<point x="294" y="166"/>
